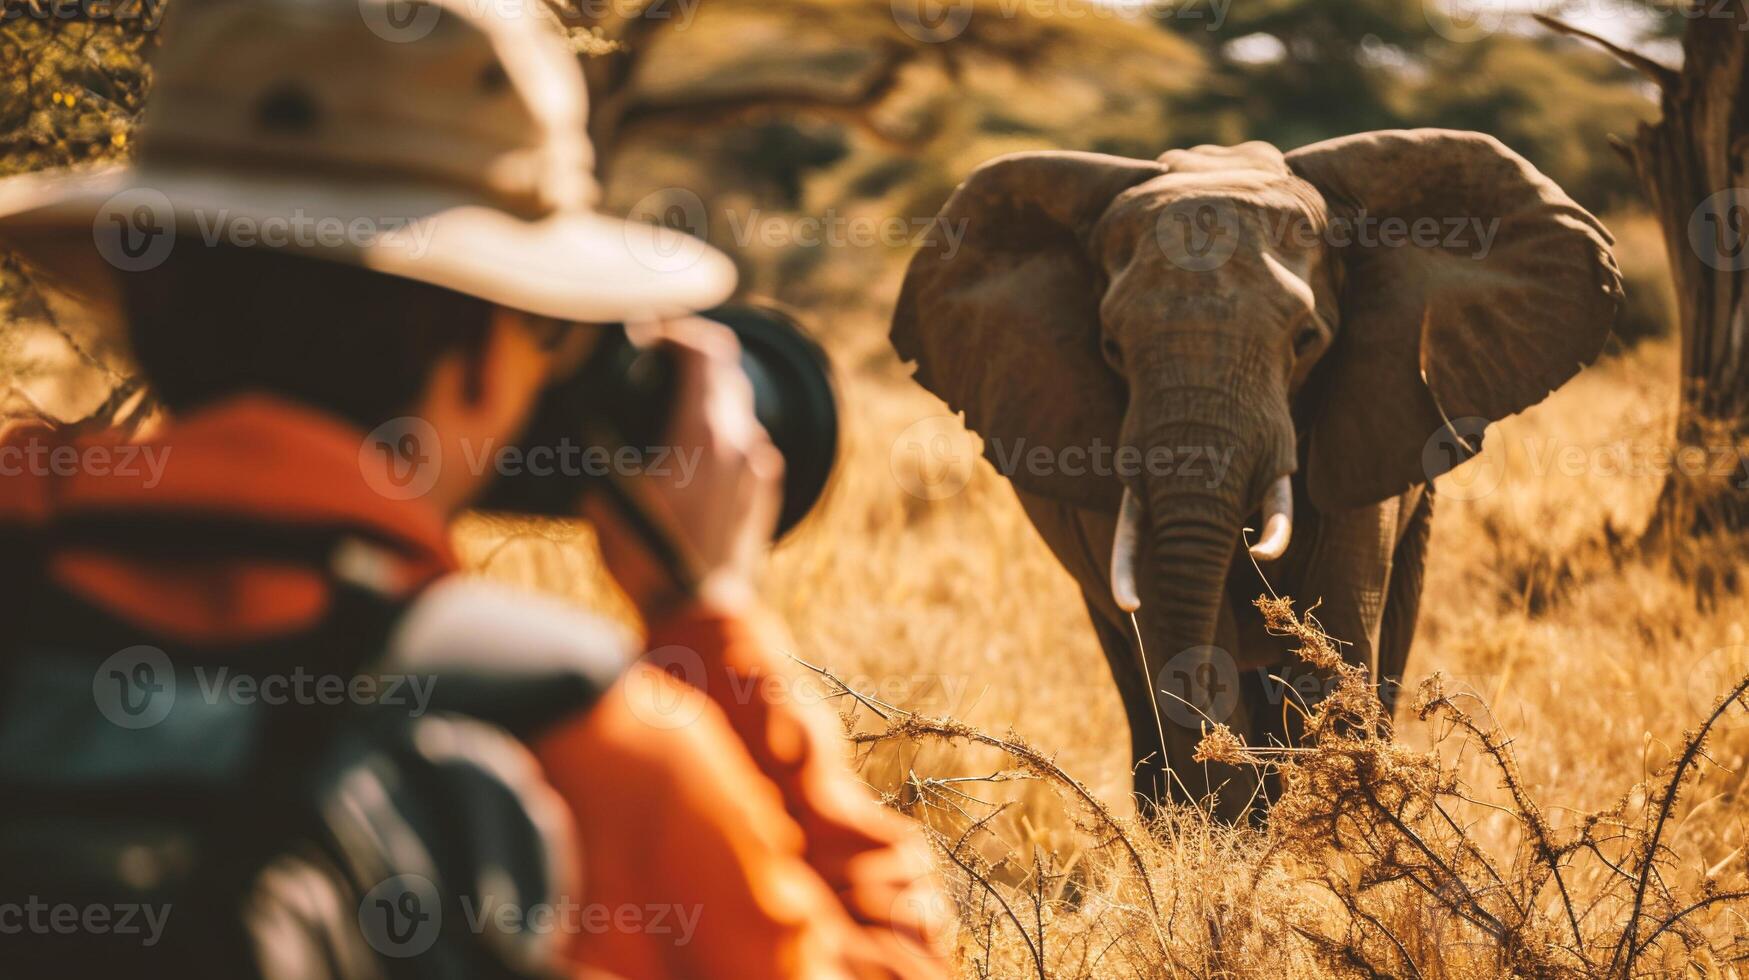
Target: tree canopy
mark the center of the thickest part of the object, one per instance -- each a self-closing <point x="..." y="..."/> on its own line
<point x="1292" y="72"/>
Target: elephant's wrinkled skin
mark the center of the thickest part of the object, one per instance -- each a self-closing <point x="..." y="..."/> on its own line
<point x="1349" y="315"/>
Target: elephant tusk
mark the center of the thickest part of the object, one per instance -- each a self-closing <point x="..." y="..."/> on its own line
<point x="1123" y="553"/>
<point x="1278" y="520"/>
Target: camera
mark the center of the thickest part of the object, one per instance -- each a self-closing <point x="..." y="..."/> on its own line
<point x="610" y="417"/>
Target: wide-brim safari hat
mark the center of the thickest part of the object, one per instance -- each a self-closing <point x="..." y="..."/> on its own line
<point x="438" y="140"/>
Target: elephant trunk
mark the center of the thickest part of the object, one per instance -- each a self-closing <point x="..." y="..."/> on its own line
<point x="1278" y="532"/>
<point x="1233" y="443"/>
<point x="1190" y="541"/>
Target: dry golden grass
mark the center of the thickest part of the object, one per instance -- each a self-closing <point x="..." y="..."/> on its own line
<point x="1592" y="657"/>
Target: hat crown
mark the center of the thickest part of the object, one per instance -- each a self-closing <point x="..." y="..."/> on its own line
<point x="480" y="95"/>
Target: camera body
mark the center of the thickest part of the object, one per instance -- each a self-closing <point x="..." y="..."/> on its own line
<point x="611" y="417"/>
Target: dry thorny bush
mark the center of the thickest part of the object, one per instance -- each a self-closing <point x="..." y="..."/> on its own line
<point x="1369" y="864"/>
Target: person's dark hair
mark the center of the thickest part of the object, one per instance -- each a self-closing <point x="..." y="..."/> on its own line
<point x="214" y="322"/>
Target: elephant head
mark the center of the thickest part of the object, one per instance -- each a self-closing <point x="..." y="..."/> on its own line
<point x="1330" y="310"/>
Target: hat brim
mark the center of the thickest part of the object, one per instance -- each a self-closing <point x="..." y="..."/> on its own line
<point x="575" y="265"/>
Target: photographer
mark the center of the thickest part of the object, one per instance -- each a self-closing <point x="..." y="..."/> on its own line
<point x="466" y="269"/>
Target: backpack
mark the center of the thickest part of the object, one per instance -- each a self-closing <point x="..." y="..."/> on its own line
<point x="299" y="807"/>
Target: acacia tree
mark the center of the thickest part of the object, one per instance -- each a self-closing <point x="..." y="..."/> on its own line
<point x="861" y="80"/>
<point x="1691" y="166"/>
<point x="85" y="80"/>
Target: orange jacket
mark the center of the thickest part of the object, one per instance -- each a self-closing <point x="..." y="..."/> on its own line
<point x="737" y="806"/>
<point x="720" y="833"/>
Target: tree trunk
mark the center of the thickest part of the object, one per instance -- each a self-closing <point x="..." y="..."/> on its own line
<point x="1691" y="166"/>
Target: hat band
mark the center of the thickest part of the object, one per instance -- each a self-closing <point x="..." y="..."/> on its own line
<point x="527" y="202"/>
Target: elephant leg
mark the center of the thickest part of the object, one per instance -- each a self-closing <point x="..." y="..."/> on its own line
<point x="1346" y="573"/>
<point x="1147" y="748"/>
<point x="1263" y="694"/>
<point x="1166" y="727"/>
<point x="1403" y="601"/>
<point x="1079" y="539"/>
<point x="1363" y="570"/>
<point x="1275" y="698"/>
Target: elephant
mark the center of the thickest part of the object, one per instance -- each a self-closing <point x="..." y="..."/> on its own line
<point x="1161" y="355"/>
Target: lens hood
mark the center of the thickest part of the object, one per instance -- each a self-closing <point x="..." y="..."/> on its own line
<point x="794" y="398"/>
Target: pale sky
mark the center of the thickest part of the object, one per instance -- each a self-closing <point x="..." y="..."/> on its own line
<point x="1617" y="20"/>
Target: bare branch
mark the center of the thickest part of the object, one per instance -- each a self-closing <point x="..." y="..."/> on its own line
<point x="1656" y="73"/>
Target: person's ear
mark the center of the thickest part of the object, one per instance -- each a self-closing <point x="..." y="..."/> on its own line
<point x="474" y="369"/>
<point x="510" y="364"/>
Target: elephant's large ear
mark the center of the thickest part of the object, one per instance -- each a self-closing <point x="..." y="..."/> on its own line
<point x="1000" y="310"/>
<point x="1471" y="287"/>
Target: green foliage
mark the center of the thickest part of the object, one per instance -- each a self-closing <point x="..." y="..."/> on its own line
<point x="1295" y="71"/>
<point x="807" y="104"/>
<point x="79" y="93"/>
<point x="1329" y="69"/>
<point x="71" y="100"/>
<point x="1550" y="99"/>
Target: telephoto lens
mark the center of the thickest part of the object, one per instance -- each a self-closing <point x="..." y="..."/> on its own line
<point x="616" y="408"/>
<point x="793" y="397"/>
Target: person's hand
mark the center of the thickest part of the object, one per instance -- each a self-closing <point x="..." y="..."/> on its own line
<point x="719" y="496"/>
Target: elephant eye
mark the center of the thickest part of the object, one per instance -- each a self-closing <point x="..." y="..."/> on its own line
<point x="1306" y="340"/>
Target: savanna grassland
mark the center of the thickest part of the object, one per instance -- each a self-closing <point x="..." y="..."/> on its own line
<point x="1542" y="809"/>
<point x="1508" y="832"/>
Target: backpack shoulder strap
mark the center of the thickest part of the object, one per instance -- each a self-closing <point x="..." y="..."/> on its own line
<point x="520" y="661"/>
